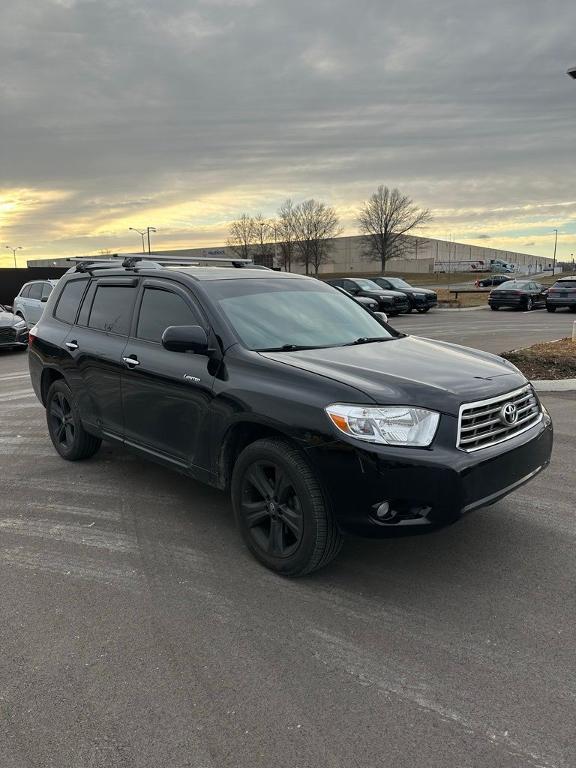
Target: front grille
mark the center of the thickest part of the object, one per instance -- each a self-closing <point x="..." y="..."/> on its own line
<point x="7" y="334"/>
<point x="484" y="423"/>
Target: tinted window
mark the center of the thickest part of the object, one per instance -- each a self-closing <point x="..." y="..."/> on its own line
<point x="272" y="314"/>
<point x="35" y="291"/>
<point x="46" y="290"/>
<point x="24" y="292"/>
<point x="565" y="284"/>
<point x="69" y="301"/>
<point x="112" y="308"/>
<point x="367" y="285"/>
<point x="158" y="310"/>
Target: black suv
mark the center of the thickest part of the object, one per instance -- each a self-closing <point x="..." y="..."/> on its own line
<point x="420" y="299"/>
<point x="562" y="294"/>
<point x="390" y="302"/>
<point x="318" y="417"/>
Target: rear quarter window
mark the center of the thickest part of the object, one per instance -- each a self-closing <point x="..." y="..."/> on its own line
<point x="565" y="284"/>
<point x="69" y="301"/>
<point x="24" y="292"/>
<point x="35" y="291"/>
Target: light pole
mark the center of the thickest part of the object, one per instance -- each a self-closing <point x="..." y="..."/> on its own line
<point x="141" y="233"/>
<point x="148" y="230"/>
<point x="555" y="245"/>
<point x="18" y="248"/>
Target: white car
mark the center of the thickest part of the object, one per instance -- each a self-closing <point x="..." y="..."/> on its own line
<point x="29" y="304"/>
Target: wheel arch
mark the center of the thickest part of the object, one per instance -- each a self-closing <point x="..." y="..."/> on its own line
<point x="239" y="436"/>
<point x="49" y="376"/>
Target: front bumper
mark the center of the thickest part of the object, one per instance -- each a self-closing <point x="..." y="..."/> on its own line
<point x="441" y="483"/>
<point x="396" y="307"/>
<point x="13" y="337"/>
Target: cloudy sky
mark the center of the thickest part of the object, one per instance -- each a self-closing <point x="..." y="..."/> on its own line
<point x="182" y="114"/>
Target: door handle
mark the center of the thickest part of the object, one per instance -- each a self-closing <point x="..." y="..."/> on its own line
<point x="72" y="345"/>
<point x="131" y="361"/>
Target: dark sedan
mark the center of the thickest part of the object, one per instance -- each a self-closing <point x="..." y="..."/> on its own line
<point x="13" y="330"/>
<point x="420" y="299"/>
<point x="390" y="302"/>
<point x="518" y="294"/>
<point x="493" y="280"/>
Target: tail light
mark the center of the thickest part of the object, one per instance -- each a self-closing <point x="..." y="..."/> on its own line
<point x="32" y="336"/>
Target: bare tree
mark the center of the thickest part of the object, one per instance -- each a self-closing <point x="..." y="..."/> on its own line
<point x="264" y="251"/>
<point x="384" y="219"/>
<point x="285" y="232"/>
<point x="243" y="236"/>
<point x="315" y="224"/>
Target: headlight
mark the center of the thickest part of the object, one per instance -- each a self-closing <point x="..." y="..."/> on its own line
<point x="397" y="425"/>
<point x="20" y="324"/>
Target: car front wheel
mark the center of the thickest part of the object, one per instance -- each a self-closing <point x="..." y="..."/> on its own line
<point x="529" y="304"/>
<point x="281" y="511"/>
<point x="68" y="435"/>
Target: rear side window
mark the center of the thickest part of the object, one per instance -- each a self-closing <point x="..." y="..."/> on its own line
<point x="565" y="284"/>
<point x="69" y="301"/>
<point x="35" y="291"/>
<point x="112" y="308"/>
<point x="46" y="290"/>
<point x="24" y="292"/>
<point x="160" y="309"/>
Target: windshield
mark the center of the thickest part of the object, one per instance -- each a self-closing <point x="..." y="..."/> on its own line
<point x="367" y="285"/>
<point x="565" y="284"/>
<point x="397" y="282"/>
<point x="283" y="313"/>
<point x="511" y="285"/>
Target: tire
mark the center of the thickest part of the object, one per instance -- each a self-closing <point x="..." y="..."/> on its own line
<point x="423" y="310"/>
<point x="572" y="309"/>
<point x="493" y="308"/>
<point x="281" y="511"/>
<point x="68" y="436"/>
<point x="551" y="309"/>
<point x="409" y="310"/>
<point x="529" y="304"/>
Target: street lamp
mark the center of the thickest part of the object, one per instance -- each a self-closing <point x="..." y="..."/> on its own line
<point x="18" y="248"/>
<point x="555" y="244"/>
<point x="141" y="233"/>
<point x="148" y="230"/>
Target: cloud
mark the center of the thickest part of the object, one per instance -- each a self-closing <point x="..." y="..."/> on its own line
<point x="183" y="113"/>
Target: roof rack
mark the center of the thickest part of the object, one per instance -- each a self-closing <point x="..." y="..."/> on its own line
<point x="84" y="264"/>
<point x="130" y="261"/>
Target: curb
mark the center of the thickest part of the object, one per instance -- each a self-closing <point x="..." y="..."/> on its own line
<point x="462" y="309"/>
<point x="554" y="385"/>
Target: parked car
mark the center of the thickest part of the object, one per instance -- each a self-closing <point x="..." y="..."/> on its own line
<point x="518" y="294"/>
<point x="13" y="330"/>
<point x="370" y="304"/>
<point x="420" y="299"/>
<point x="30" y="302"/>
<point x="390" y="302"/>
<point x="562" y="294"/>
<point x="490" y="281"/>
<point x="319" y="418"/>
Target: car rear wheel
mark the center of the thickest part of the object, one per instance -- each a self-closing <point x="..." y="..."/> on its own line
<point x="68" y="435"/>
<point x="551" y="309"/>
<point x="423" y="310"/>
<point x="493" y="308"/>
<point x="529" y="304"/>
<point x="281" y="511"/>
<point x="572" y="309"/>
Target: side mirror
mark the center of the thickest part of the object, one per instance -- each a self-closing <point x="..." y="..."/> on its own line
<point x="185" y="338"/>
<point x="44" y="299"/>
<point x="382" y="316"/>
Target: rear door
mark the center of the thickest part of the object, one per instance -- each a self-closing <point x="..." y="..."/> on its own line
<point x="165" y="394"/>
<point x="34" y="306"/>
<point x="96" y="344"/>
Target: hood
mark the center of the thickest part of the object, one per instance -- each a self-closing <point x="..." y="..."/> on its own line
<point x="426" y="291"/>
<point x="385" y="292"/>
<point x="411" y="371"/>
<point x="7" y="319"/>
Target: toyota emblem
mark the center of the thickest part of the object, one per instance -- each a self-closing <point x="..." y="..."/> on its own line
<point x="509" y="414"/>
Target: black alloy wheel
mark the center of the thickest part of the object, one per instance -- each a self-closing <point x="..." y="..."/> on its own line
<point x="529" y="304"/>
<point x="65" y="428"/>
<point x="272" y="509"/>
<point x="281" y="511"/>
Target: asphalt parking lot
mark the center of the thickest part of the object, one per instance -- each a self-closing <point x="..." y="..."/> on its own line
<point x="137" y="632"/>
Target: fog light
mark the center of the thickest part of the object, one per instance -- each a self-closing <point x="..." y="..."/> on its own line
<point x="383" y="511"/>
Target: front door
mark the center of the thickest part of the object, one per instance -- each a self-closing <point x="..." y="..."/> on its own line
<point x="165" y="394"/>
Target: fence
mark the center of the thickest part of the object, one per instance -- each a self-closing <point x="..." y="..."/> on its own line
<point x="11" y="280"/>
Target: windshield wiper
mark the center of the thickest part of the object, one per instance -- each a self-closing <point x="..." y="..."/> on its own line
<point x="288" y="348"/>
<point x="367" y="340"/>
